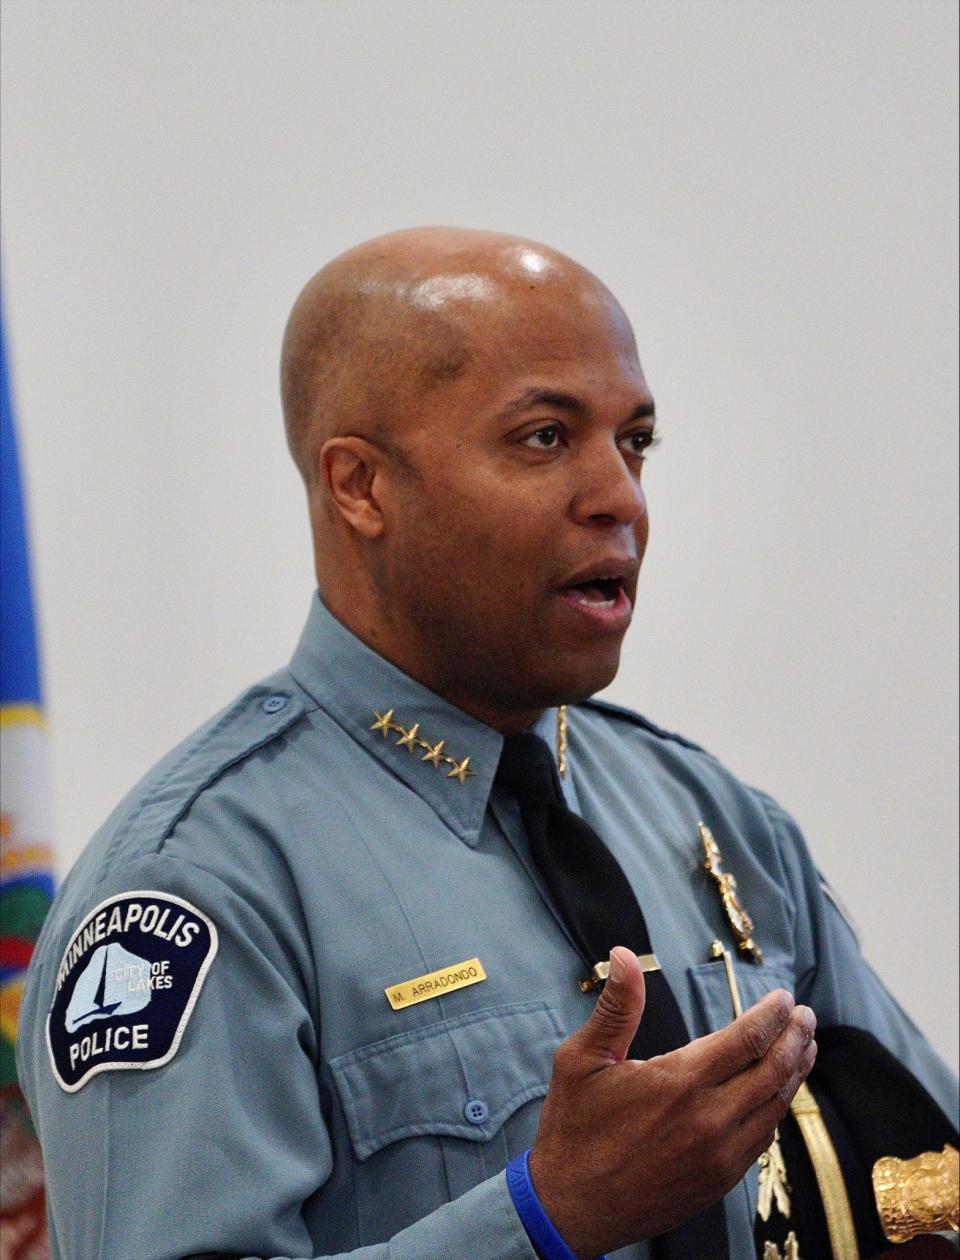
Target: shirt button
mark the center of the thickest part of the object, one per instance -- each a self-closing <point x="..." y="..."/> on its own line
<point x="273" y="704"/>
<point x="476" y="1112"/>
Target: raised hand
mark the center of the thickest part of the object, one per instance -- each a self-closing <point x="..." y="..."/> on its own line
<point x="628" y="1148"/>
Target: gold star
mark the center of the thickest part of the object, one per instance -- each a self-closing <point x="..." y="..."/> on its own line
<point x="383" y="723"/>
<point x="461" y="770"/>
<point x="434" y="754"/>
<point x="409" y="738"/>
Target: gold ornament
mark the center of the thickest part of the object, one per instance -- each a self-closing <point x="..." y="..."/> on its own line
<point x="774" y="1186"/>
<point x="562" y="739"/>
<point x="791" y="1249"/>
<point x="919" y="1195"/>
<point x="740" y="921"/>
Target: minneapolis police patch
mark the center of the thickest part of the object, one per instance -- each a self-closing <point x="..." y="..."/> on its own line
<point x="128" y="982"/>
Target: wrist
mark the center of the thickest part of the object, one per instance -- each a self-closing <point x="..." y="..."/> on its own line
<point x="546" y="1239"/>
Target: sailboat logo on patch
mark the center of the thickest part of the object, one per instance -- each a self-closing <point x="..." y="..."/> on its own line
<point x="110" y="984"/>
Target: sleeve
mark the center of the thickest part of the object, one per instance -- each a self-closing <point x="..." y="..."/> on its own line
<point x="835" y="979"/>
<point x="215" y="1151"/>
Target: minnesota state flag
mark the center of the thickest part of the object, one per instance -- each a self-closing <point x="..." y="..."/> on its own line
<point x="26" y="865"/>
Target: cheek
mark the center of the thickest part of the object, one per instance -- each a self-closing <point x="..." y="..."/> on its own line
<point x="475" y="542"/>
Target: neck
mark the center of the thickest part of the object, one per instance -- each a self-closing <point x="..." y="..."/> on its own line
<point x="370" y="627"/>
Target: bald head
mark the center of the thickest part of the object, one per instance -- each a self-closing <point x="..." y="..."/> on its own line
<point x="399" y="315"/>
<point x="470" y="418"/>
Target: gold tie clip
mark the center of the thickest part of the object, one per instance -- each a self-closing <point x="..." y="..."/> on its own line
<point x="601" y="971"/>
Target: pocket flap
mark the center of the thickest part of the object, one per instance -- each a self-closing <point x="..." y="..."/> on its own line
<point x="712" y="990"/>
<point x="420" y="1082"/>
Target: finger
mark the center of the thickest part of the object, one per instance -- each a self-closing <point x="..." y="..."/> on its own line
<point x="766" y="1088"/>
<point x="722" y="1055"/>
<point x="606" y="1036"/>
<point x="777" y="1070"/>
<point x="757" y="1128"/>
<point x="774" y="1075"/>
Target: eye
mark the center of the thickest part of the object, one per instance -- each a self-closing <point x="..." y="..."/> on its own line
<point x="547" y="438"/>
<point x="640" y="442"/>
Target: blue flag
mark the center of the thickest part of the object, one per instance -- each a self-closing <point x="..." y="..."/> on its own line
<point x="26" y="858"/>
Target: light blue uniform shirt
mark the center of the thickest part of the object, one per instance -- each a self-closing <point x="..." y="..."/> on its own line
<point x="299" y="1114"/>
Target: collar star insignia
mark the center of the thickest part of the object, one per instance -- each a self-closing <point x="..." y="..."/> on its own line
<point x="434" y="754"/>
<point x="408" y="739"/>
<point x="411" y="740"/>
<point x="461" y="770"/>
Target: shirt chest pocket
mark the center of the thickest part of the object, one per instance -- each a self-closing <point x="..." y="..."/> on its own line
<point x="711" y="988"/>
<point x="434" y="1111"/>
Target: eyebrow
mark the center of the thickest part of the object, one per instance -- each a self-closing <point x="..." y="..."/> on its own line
<point x="536" y="397"/>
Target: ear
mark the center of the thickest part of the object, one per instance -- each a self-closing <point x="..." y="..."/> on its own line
<point x="351" y="470"/>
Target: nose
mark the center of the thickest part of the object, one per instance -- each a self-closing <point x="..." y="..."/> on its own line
<point x="608" y="489"/>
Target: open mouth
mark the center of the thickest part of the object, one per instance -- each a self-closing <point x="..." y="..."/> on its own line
<point x="602" y="603"/>
<point x="597" y="593"/>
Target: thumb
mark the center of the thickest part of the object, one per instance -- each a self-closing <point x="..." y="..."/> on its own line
<point x="607" y="1034"/>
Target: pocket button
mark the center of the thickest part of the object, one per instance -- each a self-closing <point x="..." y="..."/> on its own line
<point x="476" y="1112"/>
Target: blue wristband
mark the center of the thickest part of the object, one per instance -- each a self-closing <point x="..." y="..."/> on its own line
<point x="530" y="1210"/>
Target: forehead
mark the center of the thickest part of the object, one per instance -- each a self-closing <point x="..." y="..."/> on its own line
<point x="574" y="336"/>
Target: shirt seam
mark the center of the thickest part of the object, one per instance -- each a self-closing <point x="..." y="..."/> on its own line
<point x="195" y="790"/>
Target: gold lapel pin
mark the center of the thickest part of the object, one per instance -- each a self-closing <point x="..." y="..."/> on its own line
<point x="740" y="921"/>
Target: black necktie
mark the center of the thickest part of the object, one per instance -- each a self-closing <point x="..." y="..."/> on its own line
<point x="598" y="906"/>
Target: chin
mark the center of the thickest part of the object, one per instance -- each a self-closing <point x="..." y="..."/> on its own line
<point x="572" y="686"/>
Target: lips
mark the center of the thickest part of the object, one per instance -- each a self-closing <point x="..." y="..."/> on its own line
<point x="599" y="592"/>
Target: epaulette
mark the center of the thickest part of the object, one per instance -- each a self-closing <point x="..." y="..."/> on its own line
<point x="262" y="714"/>
<point x="639" y="720"/>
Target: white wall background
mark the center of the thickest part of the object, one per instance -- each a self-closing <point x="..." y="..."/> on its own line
<point x="770" y="189"/>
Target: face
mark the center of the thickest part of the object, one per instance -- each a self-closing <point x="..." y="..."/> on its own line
<point x="508" y="563"/>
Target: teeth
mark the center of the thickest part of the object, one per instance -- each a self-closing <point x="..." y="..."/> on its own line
<point x="582" y="597"/>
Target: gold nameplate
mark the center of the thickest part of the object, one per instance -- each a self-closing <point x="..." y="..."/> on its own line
<point x="435" y="983"/>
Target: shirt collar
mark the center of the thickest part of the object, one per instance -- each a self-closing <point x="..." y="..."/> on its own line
<point x="443" y="754"/>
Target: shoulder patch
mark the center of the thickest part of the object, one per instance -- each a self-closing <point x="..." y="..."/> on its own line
<point x="617" y="710"/>
<point x="127" y="985"/>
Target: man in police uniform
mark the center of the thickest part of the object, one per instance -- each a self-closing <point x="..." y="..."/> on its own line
<point x="309" y="989"/>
